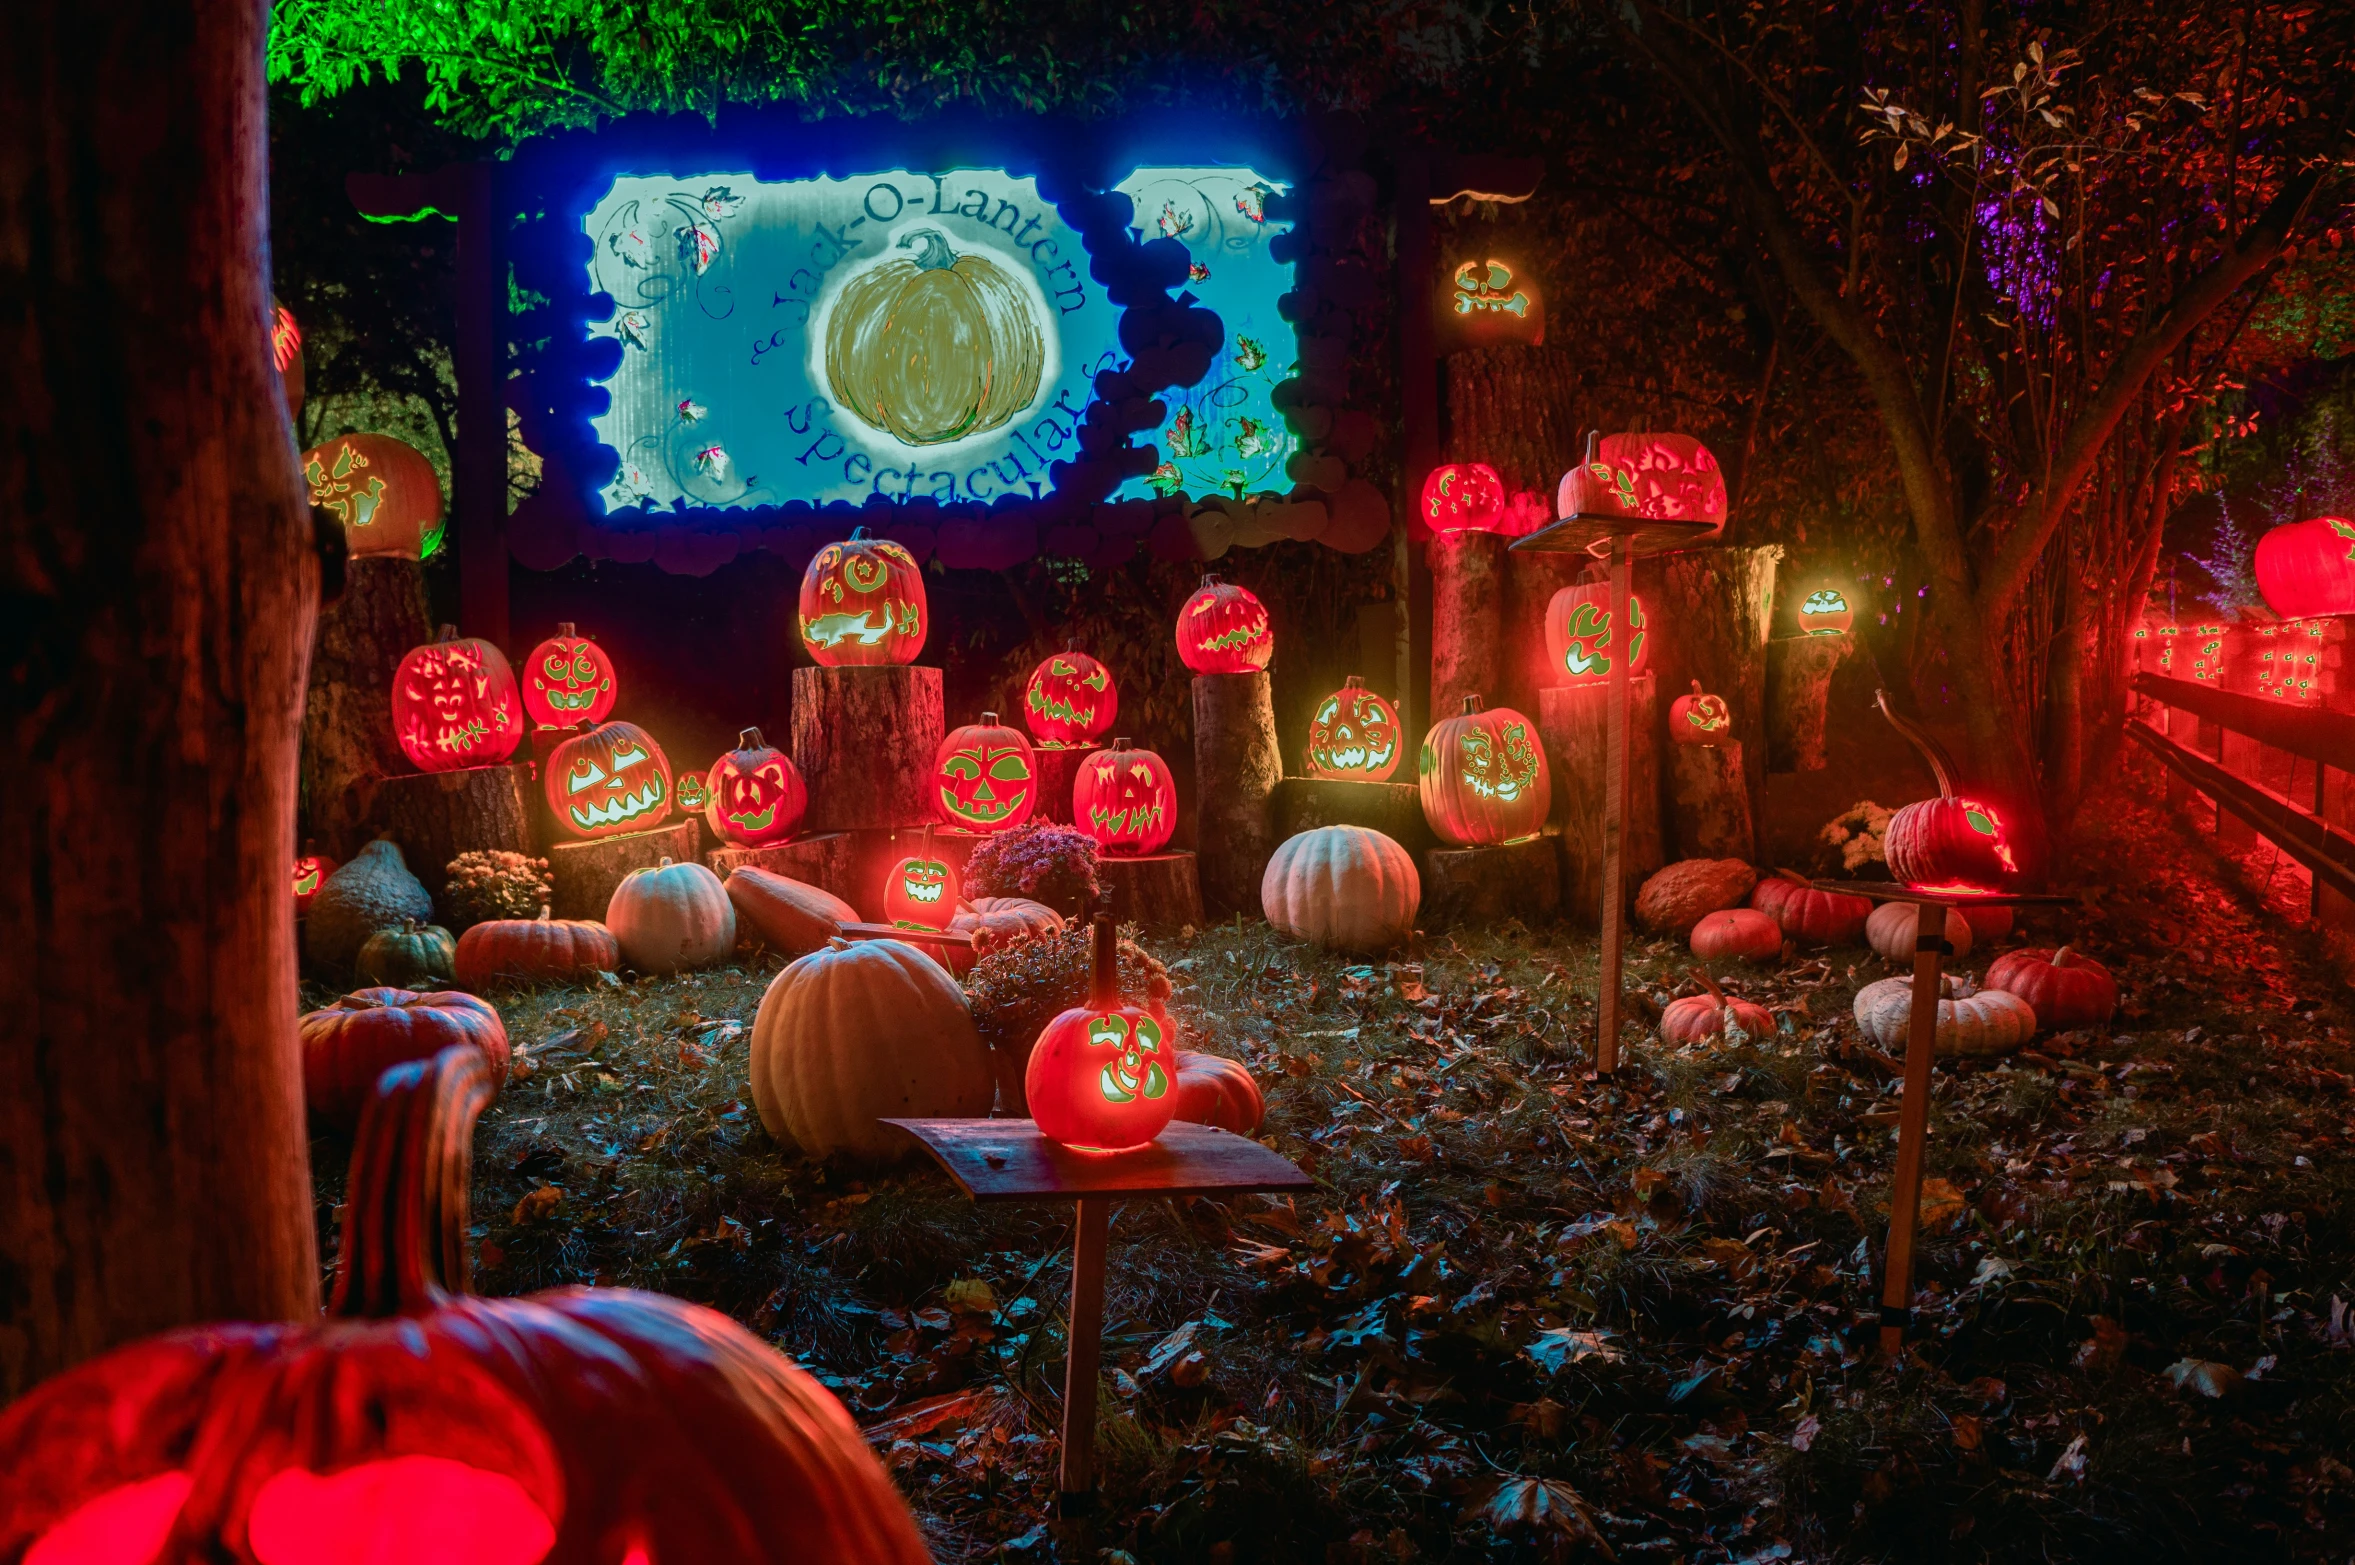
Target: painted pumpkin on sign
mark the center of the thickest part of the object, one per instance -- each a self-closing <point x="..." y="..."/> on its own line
<point x="1223" y="629"/>
<point x="1102" y="1075"/>
<point x="454" y="704"/>
<point x="567" y="680"/>
<point x="1354" y="735"/>
<point x="384" y="492"/>
<point x="985" y="777"/>
<point x="935" y="346"/>
<point x="921" y="892"/>
<point x="1070" y="700"/>
<point x="310" y="871"/>
<point x="612" y="779"/>
<point x="1463" y="497"/>
<point x="1825" y="613"/>
<point x="1484" y="778"/>
<point x="1949" y="843"/>
<point x="862" y="604"/>
<point x="1125" y="799"/>
<point x="756" y="795"/>
<point x="2307" y="568"/>
<point x="1699" y="718"/>
<point x="1580" y="641"/>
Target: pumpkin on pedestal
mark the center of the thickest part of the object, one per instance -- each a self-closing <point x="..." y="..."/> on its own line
<point x="1214" y="1090"/>
<point x="2067" y="989"/>
<point x="985" y="777"/>
<point x="921" y="890"/>
<point x="608" y="780"/>
<point x="1825" y="613"/>
<point x="417" y="1422"/>
<point x="1484" y="778"/>
<point x="1069" y="700"/>
<point x="862" y="604"/>
<point x="1224" y="629"/>
<point x="1125" y="799"/>
<point x="383" y="490"/>
<point x="350" y="1043"/>
<point x="1580" y="640"/>
<point x="755" y="793"/>
<point x="539" y="950"/>
<point x="1660" y="477"/>
<point x="568" y="679"/>
<point x="1948" y="843"/>
<point x="454" y="704"/>
<point x="1699" y="718"/>
<point x="1354" y="736"/>
<point x="1463" y="497"/>
<point x="671" y="917"/>
<point x="1102" y="1075"/>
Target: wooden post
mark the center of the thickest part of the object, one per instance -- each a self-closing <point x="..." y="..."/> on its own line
<point x="1913" y="1125"/>
<point x="1236" y="768"/>
<point x="1467" y="617"/>
<point x="1084" y="1340"/>
<point x="864" y="741"/>
<point x="1614" y="817"/>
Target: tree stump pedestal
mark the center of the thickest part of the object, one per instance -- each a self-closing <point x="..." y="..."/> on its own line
<point x="1158" y="890"/>
<point x="1058" y="767"/>
<point x="435" y="816"/>
<point x="1799" y="681"/>
<point x="1572" y="720"/>
<point x="1467" y="616"/>
<point x="1467" y="886"/>
<point x="1236" y="768"/>
<point x="1393" y="809"/>
<point x="818" y="859"/>
<point x="349" y="751"/>
<point x="864" y="741"/>
<point x="586" y="871"/>
<point x="1709" y="802"/>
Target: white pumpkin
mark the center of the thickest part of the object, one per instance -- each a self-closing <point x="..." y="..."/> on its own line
<point x="1342" y="886"/>
<point x="860" y="1032"/>
<point x="1891" y="927"/>
<point x="671" y="917"/>
<point x="1970" y="1021"/>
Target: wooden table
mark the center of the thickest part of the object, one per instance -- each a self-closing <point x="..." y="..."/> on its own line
<point x="1008" y="1160"/>
<point x="1619" y="540"/>
<point x="1930" y="950"/>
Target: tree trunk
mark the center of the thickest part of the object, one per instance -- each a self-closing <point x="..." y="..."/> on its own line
<point x="1467" y="619"/>
<point x="864" y="740"/>
<point x="1236" y="769"/>
<point x="348" y="744"/>
<point x="1575" y="721"/>
<point x="153" y="1164"/>
<point x="1712" y="608"/>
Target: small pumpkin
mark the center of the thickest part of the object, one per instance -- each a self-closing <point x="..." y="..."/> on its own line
<point x="1463" y="497"/>
<point x="1825" y="612"/>
<point x="1214" y="1090"/>
<point x="1699" y="718"/>
<point x="1973" y="1022"/>
<point x="860" y="1032"/>
<point x="790" y="916"/>
<point x="1737" y="934"/>
<point x="1224" y="629"/>
<point x="407" y="955"/>
<point x="1484" y="779"/>
<point x="756" y="795"/>
<point x="1892" y="928"/>
<point x="1950" y="842"/>
<point x="2067" y="989"/>
<point x="671" y="917"/>
<point x="1810" y="916"/>
<point x="539" y="950"/>
<point x="347" y="1045"/>
<point x="1696" y="1018"/>
<point x="996" y="923"/>
<point x="1346" y="887"/>
<point x="1102" y="1075"/>
<point x="374" y="891"/>
<point x="985" y="777"/>
<point x="920" y="891"/>
<point x="1988" y="921"/>
<point x="310" y="873"/>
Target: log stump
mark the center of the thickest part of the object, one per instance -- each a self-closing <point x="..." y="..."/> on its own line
<point x="1709" y="802"/>
<point x="817" y="859"/>
<point x="1236" y="768"/>
<point x="1158" y="890"/>
<point x="1572" y="720"/>
<point x="1058" y="767"/>
<point x="1800" y="677"/>
<point x="1467" y="617"/>
<point x="348" y="744"/>
<point x="1393" y="809"/>
<point x="586" y="872"/>
<point x="863" y="740"/>
<point x="435" y="816"/>
<point x="1476" y="886"/>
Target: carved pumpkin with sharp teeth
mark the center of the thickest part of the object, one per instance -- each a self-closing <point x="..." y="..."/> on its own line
<point x="1070" y="700"/>
<point x="611" y="779"/>
<point x="1223" y="629"/>
<point x="985" y="777"/>
<point x="1125" y="799"/>
<point x="1825" y="613"/>
<point x="756" y="795"/>
<point x="1354" y="736"/>
<point x="568" y="679"/>
<point x="454" y="704"/>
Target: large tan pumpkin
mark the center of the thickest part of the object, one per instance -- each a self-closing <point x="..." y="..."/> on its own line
<point x="790" y="916"/>
<point x="671" y="917"/>
<point x="1342" y="886"/>
<point x="860" y="1032"/>
<point x="996" y="923"/>
<point x="1977" y="1022"/>
<point x="1891" y="927"/>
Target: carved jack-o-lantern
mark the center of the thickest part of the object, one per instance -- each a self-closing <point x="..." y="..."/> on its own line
<point x="383" y="490"/>
<point x="568" y="680"/>
<point x="862" y="604"/>
<point x="309" y="870"/>
<point x="1950" y="843"/>
<point x="1102" y="1075"/>
<point x="1463" y="497"/>
<point x="690" y="793"/>
<point x="1484" y="778"/>
<point x="612" y="779"/>
<point x="1354" y="736"/>
<point x="755" y="794"/>
<point x="1699" y="718"/>
<point x="985" y="777"/>
<point x="1223" y="629"/>
<point x="922" y="890"/>
<point x="1580" y="642"/>
<point x="1125" y="799"/>
<point x="1655" y="477"/>
<point x="1825" y="613"/>
<point x="1070" y="700"/>
<point x="454" y="704"/>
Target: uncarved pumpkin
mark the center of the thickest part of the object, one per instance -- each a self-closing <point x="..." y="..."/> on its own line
<point x="1892" y="928"/>
<point x="2066" y="988"/>
<point x="934" y="346"/>
<point x="539" y="950"/>
<point x="995" y="923"/>
<point x="1214" y="1090"/>
<point x="407" y="955"/>
<point x="1737" y="934"/>
<point x="1675" y="898"/>
<point x="790" y="916"/>
<point x="671" y="917"/>
<point x="347" y="1045"/>
<point x="1342" y="886"/>
<point x="1698" y="1017"/>
<point x="1986" y="1021"/>
<point x="1810" y="916"/>
<point x="860" y="1032"/>
<point x="374" y="891"/>
<point x="1988" y="922"/>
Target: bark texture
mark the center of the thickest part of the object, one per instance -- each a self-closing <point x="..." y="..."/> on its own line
<point x="435" y="816"/>
<point x="1485" y="886"/>
<point x="1394" y="809"/>
<point x="1158" y="890"/>
<point x="1467" y="619"/>
<point x="1711" y="609"/>
<point x="348" y="745"/>
<point x="1801" y="703"/>
<point x="1572" y="721"/>
<point x="153" y="1163"/>
<point x="864" y="741"/>
<point x="1709" y="803"/>
<point x="1236" y="769"/>
<point x="586" y="872"/>
<point x="1056" y="769"/>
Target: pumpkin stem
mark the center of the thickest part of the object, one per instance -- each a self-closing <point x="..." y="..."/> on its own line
<point x="1106" y="990"/>
<point x="406" y="1204"/>
<point x="989" y="719"/>
<point x="932" y="249"/>
<point x="750" y="739"/>
<point x="1710" y="984"/>
<point x="1940" y="766"/>
<point x="446" y="633"/>
<point x="1471" y="705"/>
<point x="1794" y="875"/>
<point x="564" y="628"/>
<point x="2060" y="958"/>
<point x="543" y="913"/>
<point x="1354" y="682"/>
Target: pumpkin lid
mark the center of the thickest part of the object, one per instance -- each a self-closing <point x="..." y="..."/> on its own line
<point x="406" y="1207"/>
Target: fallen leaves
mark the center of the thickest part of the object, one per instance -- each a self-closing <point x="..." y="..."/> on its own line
<point x="1545" y="1506"/>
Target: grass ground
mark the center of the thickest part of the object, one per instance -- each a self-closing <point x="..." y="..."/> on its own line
<point x="1529" y="1315"/>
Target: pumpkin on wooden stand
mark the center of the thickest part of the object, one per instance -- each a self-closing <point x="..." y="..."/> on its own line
<point x="1581" y="642"/>
<point x="1737" y="934"/>
<point x="608" y="780"/>
<point x="1214" y="1090"/>
<point x="1825" y="612"/>
<point x="347" y="1045"/>
<point x="1808" y="915"/>
<point x="1069" y="700"/>
<point x="310" y="873"/>
<point x="539" y="950"/>
<point x="1696" y="1018"/>
<point x="985" y="777"/>
<point x="1223" y="629"/>
<point x="2067" y="988"/>
<point x="384" y="491"/>
<point x="1699" y="718"/>
<point x="672" y="917"/>
<point x="1354" y="736"/>
<point x="1974" y="1022"/>
<point x="1346" y="887"/>
<point x="1463" y="497"/>
<point x="1950" y="842"/>
<point x="862" y="604"/>
<point x="920" y="891"/>
<point x="1126" y="799"/>
<point x="1101" y="1077"/>
<point x="417" y="1422"/>
<point x="1484" y="779"/>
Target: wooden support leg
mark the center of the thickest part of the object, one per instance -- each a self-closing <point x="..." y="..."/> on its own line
<point x="1614" y="820"/>
<point x="1076" y="1503"/>
<point x="1913" y="1126"/>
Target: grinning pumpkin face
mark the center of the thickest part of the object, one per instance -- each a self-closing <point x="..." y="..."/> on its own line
<point x="1354" y="736"/>
<point x="862" y="604"/>
<point x="985" y="777"/>
<point x="1484" y="779"/>
<point x="1125" y="799"/>
<point x="612" y="779"/>
<point x="755" y="794"/>
<point x="932" y="345"/>
<point x="455" y="704"/>
<point x="1463" y="497"/>
<point x="1223" y="629"/>
<point x="1699" y="718"/>
<point x="1070" y="700"/>
<point x="1825" y="613"/>
<point x="1579" y="639"/>
<point x="691" y="793"/>
<point x="1100" y="1077"/>
<point x="921" y="892"/>
<point x="568" y="680"/>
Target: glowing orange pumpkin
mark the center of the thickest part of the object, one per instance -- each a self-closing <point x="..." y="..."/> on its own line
<point x="568" y="679"/>
<point x="922" y="890"/>
<point x="1463" y="497"/>
<point x="756" y="795"/>
<point x="1656" y="477"/>
<point x="611" y="779"/>
<point x="2307" y="568"/>
<point x="310" y="869"/>
<point x="1825" y="613"/>
<point x="1069" y="700"/>
<point x="454" y="704"/>
<point x="862" y="604"/>
<point x="1484" y="778"/>
<point x="1699" y="718"/>
<point x="1580" y="640"/>
<point x="1125" y="799"/>
<point x="985" y="777"/>
<point x="1949" y="843"/>
<point x="1223" y="629"/>
<point x="1354" y="736"/>
<point x="384" y="492"/>
<point x="1102" y="1076"/>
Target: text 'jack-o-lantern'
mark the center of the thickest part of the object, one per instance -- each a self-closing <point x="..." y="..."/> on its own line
<point x="1069" y="700"/>
<point x="568" y="680"/>
<point x="1223" y="629"/>
<point x="1125" y="799"/>
<point x="1101" y="1075"/>
<point x="922" y="890"/>
<point x="985" y="777"/>
<point x="862" y="604"/>
<point x="1484" y="778"/>
<point x="612" y="779"/>
<point x="454" y="704"/>
<point x="1354" y="736"/>
<point x="384" y="492"/>
<point x="1580" y="644"/>
<point x="755" y="795"/>
<point x="1825" y="612"/>
<point x="1463" y="497"/>
<point x="934" y="346"/>
<point x="1699" y="718"/>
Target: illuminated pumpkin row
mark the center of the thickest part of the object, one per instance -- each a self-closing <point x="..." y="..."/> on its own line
<point x="1580" y="641"/>
<point x="1102" y="1075"/>
<point x="454" y="704"/>
<point x="1125" y="799"/>
<point x="1484" y="779"/>
<point x="1223" y="629"/>
<point x="985" y="777"/>
<point x="754" y="794"/>
<point x="611" y="779"/>
<point x="1069" y="700"/>
<point x="862" y="604"/>
<point x="1354" y="736"/>
<point x="568" y="680"/>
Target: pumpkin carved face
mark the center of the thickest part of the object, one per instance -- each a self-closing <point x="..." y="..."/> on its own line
<point x="1825" y="613"/>
<point x="1070" y="700"/>
<point x="1223" y="629"/>
<point x="1354" y="735"/>
<point x="1102" y="1075"/>
<point x="1581" y="642"/>
<point x="922" y="890"/>
<point x="1125" y="799"/>
<point x="985" y="777"/>
<point x="1658" y="477"/>
<point x="862" y="604"/>
<point x="932" y="346"/>
<point x="1699" y="718"/>
<point x="612" y="779"/>
<point x="455" y="704"/>
<point x="1463" y="497"/>
<point x="568" y="680"/>
<point x="1484" y="778"/>
<point x="691" y="793"/>
<point x="309" y="871"/>
<point x="384" y="492"/>
<point x="756" y="796"/>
